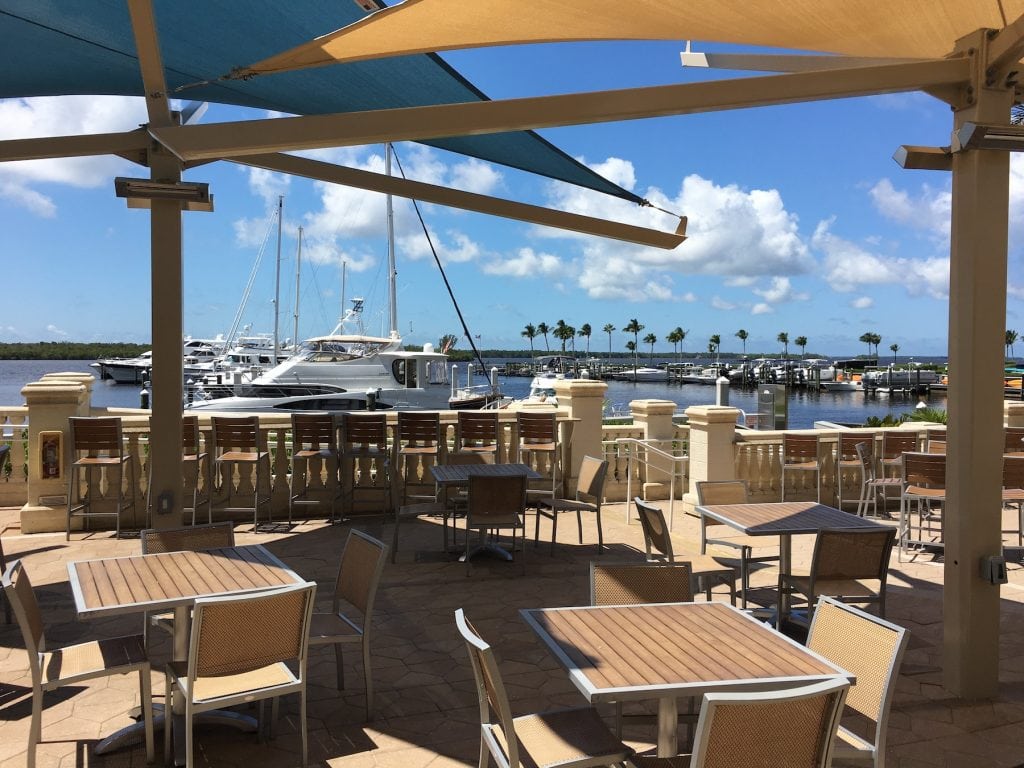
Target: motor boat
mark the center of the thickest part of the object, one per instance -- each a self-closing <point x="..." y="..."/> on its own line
<point x="642" y="374"/>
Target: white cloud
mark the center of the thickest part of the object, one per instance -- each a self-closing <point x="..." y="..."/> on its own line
<point x="268" y="185"/>
<point x="848" y="267"/>
<point x="719" y="303"/>
<point x="526" y="263"/>
<point x="928" y="211"/>
<point x="475" y="176"/>
<point x="63" y="116"/>
<point x="762" y="309"/>
<point x="56" y="331"/>
<point x="780" y="291"/>
<point x="862" y="302"/>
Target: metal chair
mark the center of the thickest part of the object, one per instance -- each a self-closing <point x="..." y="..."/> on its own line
<point x="658" y="543"/>
<point x="73" y="664"/>
<point x="314" y="439"/>
<point x="924" y="483"/>
<point x="366" y="458"/>
<point x="362" y="562"/>
<point x="871" y="484"/>
<point x="195" y="465"/>
<point x="590" y="485"/>
<point x="801" y="454"/>
<point x="848" y="463"/>
<point x="478" y="432"/>
<point x="236" y="442"/>
<point x="1013" y="490"/>
<point x="419" y="441"/>
<point x="566" y="738"/>
<point x="935" y="437"/>
<point x="871" y="649"/>
<point x="1013" y="440"/>
<point x="710" y="492"/>
<point x="194" y="538"/>
<point x="895" y="443"/>
<point x="243" y="649"/>
<point x="538" y="440"/>
<point x="494" y="504"/>
<point x="97" y="446"/>
<point x="850" y="564"/>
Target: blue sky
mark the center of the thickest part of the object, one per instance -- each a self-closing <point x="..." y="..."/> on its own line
<point x="799" y="222"/>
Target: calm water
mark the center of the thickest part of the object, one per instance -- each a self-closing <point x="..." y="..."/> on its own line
<point x="805" y="407"/>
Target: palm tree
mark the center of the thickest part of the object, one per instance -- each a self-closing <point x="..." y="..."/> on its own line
<point x="561" y="333"/>
<point x="674" y="337"/>
<point x="530" y="332"/>
<point x="783" y="339"/>
<point x="894" y="348"/>
<point x="1011" y="339"/>
<point x="651" y="339"/>
<point x="876" y="340"/>
<point x="714" y="343"/>
<point x="570" y="332"/>
<point x="801" y="341"/>
<point x="585" y="332"/>
<point x="447" y="342"/>
<point x="609" y="329"/>
<point x="742" y="335"/>
<point x="867" y="338"/>
<point x="631" y="347"/>
<point x="543" y="330"/>
<point x="634" y="327"/>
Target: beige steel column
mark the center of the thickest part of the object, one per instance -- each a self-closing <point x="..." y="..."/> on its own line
<point x="584" y="400"/>
<point x="712" y="453"/>
<point x="655" y="418"/>
<point x="977" y="315"/>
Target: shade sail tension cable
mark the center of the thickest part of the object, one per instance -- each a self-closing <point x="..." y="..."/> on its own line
<point x="437" y="260"/>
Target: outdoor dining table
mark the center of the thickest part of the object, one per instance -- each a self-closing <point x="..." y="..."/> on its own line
<point x="671" y="650"/>
<point x="447" y="475"/>
<point x="172" y="581"/>
<point x="783" y="519"/>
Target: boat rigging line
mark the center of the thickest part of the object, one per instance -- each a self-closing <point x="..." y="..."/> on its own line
<point x="437" y="260"/>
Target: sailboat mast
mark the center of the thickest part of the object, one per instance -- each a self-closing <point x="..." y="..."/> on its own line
<point x="277" y="279"/>
<point x="298" y="274"/>
<point x="392" y="273"/>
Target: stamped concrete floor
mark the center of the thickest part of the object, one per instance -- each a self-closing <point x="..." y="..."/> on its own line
<point x="426" y="711"/>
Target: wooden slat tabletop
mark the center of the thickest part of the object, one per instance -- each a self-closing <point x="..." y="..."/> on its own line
<point x="458" y="474"/>
<point x="640" y="652"/>
<point x="160" y="581"/>
<point x="783" y="518"/>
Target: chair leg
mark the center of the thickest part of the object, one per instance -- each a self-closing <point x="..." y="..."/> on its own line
<point x="600" y="533"/>
<point x="339" y="666"/>
<point x="368" y="677"/>
<point x="146" y="696"/>
<point x="303" y="728"/>
<point x="554" y="529"/>
<point x="36" y="727"/>
<point x="168" y="719"/>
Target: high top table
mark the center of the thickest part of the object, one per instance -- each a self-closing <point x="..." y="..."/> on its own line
<point x="172" y="580"/>
<point x="785" y="520"/>
<point x="669" y="650"/>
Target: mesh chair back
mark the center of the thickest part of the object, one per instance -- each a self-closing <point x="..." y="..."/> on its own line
<point x="366" y="430"/>
<point x="362" y="563"/>
<point x="1013" y="440"/>
<point x="656" y="535"/>
<point x="633" y="583"/>
<point x="232" y="635"/>
<point x="537" y="431"/>
<point x="1013" y="473"/>
<point x="19" y="593"/>
<point x="927" y="470"/>
<point x="791" y="728"/>
<point x="95" y="434"/>
<point x="591" y="479"/>
<point x="722" y="492"/>
<point x="314" y="431"/>
<point x="193" y="538"/>
<point x="855" y="553"/>
<point x="864" y="645"/>
<point x="489" y="686"/>
<point x="238" y="432"/>
<point x="798" y="449"/>
<point x="896" y="442"/>
<point x="419" y="430"/>
<point x="478" y="430"/>
<point x="495" y="498"/>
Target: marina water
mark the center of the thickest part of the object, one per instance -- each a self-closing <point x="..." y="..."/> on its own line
<point x="805" y="406"/>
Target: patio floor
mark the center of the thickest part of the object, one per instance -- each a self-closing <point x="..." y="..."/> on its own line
<point x="426" y="711"/>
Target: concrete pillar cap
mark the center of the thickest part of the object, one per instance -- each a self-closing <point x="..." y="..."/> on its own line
<point x="712" y="414"/>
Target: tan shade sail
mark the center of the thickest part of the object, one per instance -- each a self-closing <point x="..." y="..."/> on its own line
<point x="896" y="28"/>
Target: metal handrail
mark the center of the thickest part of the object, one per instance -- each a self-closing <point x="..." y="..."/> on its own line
<point x="643" y="453"/>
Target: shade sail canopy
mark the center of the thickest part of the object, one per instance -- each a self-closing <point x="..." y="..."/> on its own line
<point x="86" y="47"/>
<point x="900" y="28"/>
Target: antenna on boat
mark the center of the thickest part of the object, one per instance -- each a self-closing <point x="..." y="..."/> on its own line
<point x="392" y="272"/>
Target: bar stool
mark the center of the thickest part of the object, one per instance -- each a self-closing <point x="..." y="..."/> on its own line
<point x="896" y="442"/>
<point x="477" y="432"/>
<point x="314" y="437"/>
<point x="364" y="449"/>
<point x="419" y="439"/>
<point x="236" y="441"/>
<point x="195" y="463"/>
<point x="800" y="454"/>
<point x="848" y="461"/>
<point x="538" y="435"/>
<point x="97" y="444"/>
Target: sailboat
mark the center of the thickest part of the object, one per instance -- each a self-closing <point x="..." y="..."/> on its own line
<point x="353" y="371"/>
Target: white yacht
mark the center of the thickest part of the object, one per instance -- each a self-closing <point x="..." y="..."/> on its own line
<point x="125" y="370"/>
<point x="642" y="374"/>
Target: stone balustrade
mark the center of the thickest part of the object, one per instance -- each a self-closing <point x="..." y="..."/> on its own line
<point x="715" y="448"/>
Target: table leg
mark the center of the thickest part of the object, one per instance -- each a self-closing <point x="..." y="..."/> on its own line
<point x="668" y="723"/>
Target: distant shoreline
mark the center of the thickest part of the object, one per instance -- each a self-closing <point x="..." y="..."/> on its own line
<point x="69" y="350"/>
